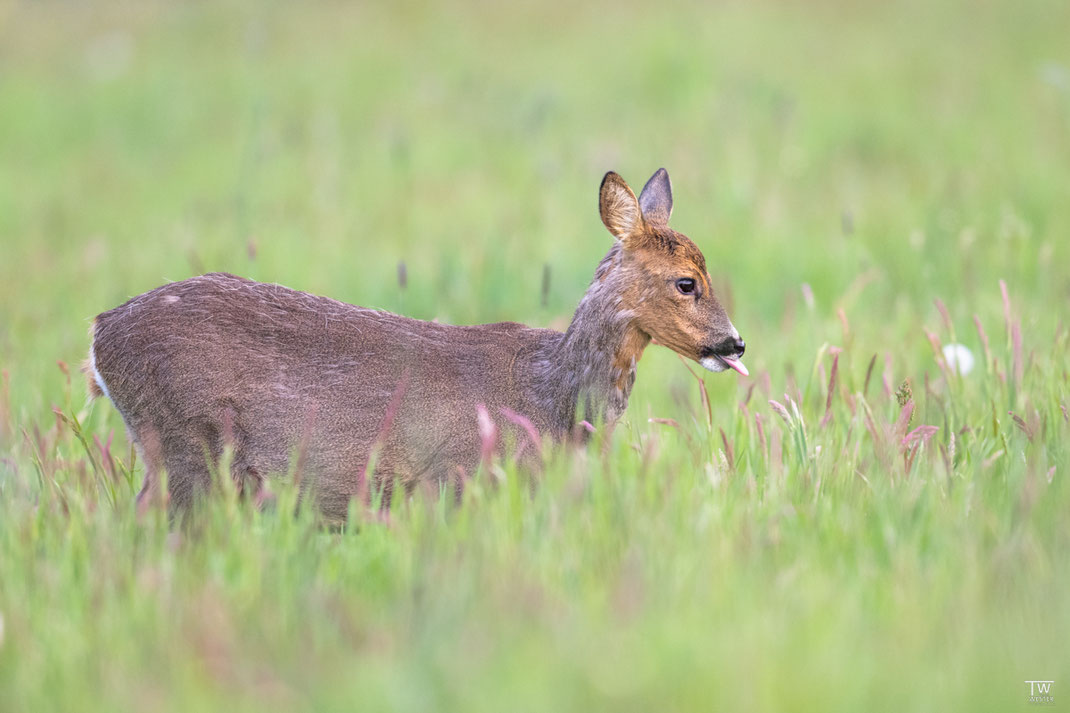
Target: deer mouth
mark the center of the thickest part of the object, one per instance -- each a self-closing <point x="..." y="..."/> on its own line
<point x="716" y="362"/>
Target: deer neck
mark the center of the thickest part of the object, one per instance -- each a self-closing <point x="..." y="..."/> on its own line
<point x="589" y="372"/>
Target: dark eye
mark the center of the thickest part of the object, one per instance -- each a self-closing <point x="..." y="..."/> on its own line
<point x="686" y="286"/>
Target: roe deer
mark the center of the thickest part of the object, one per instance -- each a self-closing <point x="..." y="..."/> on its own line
<point x="217" y="360"/>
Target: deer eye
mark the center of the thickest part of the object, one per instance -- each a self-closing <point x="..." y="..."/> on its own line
<point x="686" y="286"/>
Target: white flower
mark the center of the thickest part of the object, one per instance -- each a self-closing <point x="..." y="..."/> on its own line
<point x="959" y="358"/>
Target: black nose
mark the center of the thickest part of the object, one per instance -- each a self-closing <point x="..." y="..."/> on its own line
<point x="728" y="348"/>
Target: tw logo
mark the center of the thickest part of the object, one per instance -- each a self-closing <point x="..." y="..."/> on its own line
<point x="1040" y="692"/>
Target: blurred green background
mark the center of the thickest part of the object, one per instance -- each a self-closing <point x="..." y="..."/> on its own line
<point x="886" y="154"/>
<point x="877" y="155"/>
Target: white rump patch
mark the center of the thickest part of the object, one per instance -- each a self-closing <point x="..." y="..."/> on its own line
<point x="171" y="299"/>
<point x="96" y="374"/>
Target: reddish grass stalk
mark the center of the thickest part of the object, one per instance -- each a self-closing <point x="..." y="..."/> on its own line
<point x="7" y="430"/>
<point x="845" y="325"/>
<point x="750" y="393"/>
<point x="886" y="376"/>
<point x="921" y="434"/>
<point x="1006" y="307"/>
<point x="938" y="354"/>
<point x="831" y="391"/>
<point x="946" y="317"/>
<point x="908" y="458"/>
<point x="765" y="383"/>
<point x="106" y="459"/>
<point x="912" y="443"/>
<point x="529" y="428"/>
<point x="155" y="494"/>
<point x="1019" y="364"/>
<point x="728" y="450"/>
<point x="781" y="411"/>
<point x="391" y="412"/>
<point x="903" y="422"/>
<point x="582" y="431"/>
<point x="871" y="426"/>
<point x="984" y="341"/>
<point x="761" y="434"/>
<point x="946" y="458"/>
<point x="1022" y="425"/>
<point x="869" y="373"/>
<point x="704" y="395"/>
<point x="776" y="450"/>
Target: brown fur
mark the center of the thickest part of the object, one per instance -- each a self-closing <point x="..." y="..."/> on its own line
<point x="91" y="383"/>
<point x="280" y="375"/>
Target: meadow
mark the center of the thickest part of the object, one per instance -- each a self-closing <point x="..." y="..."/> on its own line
<point x="857" y="526"/>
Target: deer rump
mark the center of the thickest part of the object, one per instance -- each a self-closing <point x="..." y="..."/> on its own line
<point x="287" y="379"/>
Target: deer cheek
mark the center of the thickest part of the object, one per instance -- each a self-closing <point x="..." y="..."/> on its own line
<point x="675" y="337"/>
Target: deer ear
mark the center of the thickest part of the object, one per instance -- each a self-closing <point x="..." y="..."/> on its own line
<point x="656" y="198"/>
<point x="618" y="206"/>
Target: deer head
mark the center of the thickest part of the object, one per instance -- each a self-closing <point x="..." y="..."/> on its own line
<point x="669" y="290"/>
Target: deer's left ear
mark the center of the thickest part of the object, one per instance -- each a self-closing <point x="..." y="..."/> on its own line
<point x="656" y="198"/>
<point x="619" y="208"/>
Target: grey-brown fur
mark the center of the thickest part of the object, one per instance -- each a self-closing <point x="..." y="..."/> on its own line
<point x="279" y="374"/>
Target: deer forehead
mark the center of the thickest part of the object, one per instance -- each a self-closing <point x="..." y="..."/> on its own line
<point x="669" y="251"/>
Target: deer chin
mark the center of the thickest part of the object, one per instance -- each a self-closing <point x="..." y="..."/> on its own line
<point x="720" y="363"/>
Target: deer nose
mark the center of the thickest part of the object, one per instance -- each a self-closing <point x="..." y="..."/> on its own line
<point x="741" y="346"/>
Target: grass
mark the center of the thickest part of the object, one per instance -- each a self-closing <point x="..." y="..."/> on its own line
<point x="855" y="527"/>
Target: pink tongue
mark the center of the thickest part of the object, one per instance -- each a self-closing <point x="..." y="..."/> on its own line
<point x="736" y="364"/>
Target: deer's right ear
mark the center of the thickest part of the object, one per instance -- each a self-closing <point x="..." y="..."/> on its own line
<point x="655" y="200"/>
<point x="618" y="207"/>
